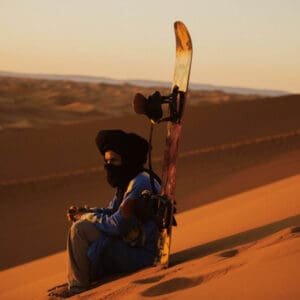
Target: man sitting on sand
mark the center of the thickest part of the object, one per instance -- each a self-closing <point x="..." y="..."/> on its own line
<point x="122" y="237"/>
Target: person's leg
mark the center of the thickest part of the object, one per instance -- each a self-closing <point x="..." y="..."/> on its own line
<point x="81" y="235"/>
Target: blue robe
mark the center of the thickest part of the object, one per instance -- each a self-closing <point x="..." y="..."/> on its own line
<point x="111" y="253"/>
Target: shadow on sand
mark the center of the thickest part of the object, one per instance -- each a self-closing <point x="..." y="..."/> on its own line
<point x="224" y="244"/>
<point x="180" y="283"/>
<point x="245" y="237"/>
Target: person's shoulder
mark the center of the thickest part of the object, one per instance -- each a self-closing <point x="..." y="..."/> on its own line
<point x="142" y="176"/>
<point x="141" y="182"/>
<point x="141" y="179"/>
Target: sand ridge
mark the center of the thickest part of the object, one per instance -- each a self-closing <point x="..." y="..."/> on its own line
<point x="218" y="148"/>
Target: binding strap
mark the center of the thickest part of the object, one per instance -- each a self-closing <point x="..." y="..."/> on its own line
<point x="150" y="171"/>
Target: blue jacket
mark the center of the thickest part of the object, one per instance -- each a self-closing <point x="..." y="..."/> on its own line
<point x="125" y="245"/>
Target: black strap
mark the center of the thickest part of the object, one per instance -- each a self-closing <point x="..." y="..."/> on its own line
<point x="150" y="171"/>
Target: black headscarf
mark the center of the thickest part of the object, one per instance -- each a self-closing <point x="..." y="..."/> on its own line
<point x="131" y="147"/>
<point x="133" y="150"/>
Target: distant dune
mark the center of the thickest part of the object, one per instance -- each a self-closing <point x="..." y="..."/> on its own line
<point x="145" y="83"/>
<point x="78" y="107"/>
<point x="40" y="103"/>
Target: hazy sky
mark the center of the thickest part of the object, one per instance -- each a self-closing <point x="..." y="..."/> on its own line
<point x="246" y="43"/>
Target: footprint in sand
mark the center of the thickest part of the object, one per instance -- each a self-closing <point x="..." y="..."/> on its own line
<point x="149" y="280"/>
<point x="295" y="229"/>
<point x="229" y="253"/>
<point x="172" y="285"/>
<point x="182" y="283"/>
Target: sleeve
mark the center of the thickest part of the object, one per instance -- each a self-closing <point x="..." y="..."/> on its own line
<point x="103" y="211"/>
<point x="110" y="224"/>
<point x="109" y="210"/>
<point x="117" y="224"/>
<point x="138" y="185"/>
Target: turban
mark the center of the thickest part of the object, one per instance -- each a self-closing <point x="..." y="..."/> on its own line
<point x="131" y="147"/>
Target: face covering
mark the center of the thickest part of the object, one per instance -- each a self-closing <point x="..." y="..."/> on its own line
<point x="114" y="174"/>
<point x="118" y="176"/>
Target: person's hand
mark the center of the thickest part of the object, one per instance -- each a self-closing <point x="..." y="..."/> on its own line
<point x="74" y="213"/>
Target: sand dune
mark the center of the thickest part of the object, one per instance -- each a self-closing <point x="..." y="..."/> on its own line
<point x="279" y="138"/>
<point x="245" y="246"/>
<point x="44" y="171"/>
<point x="46" y="103"/>
<point x="77" y="107"/>
<point x="207" y="125"/>
<point x="237" y="190"/>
